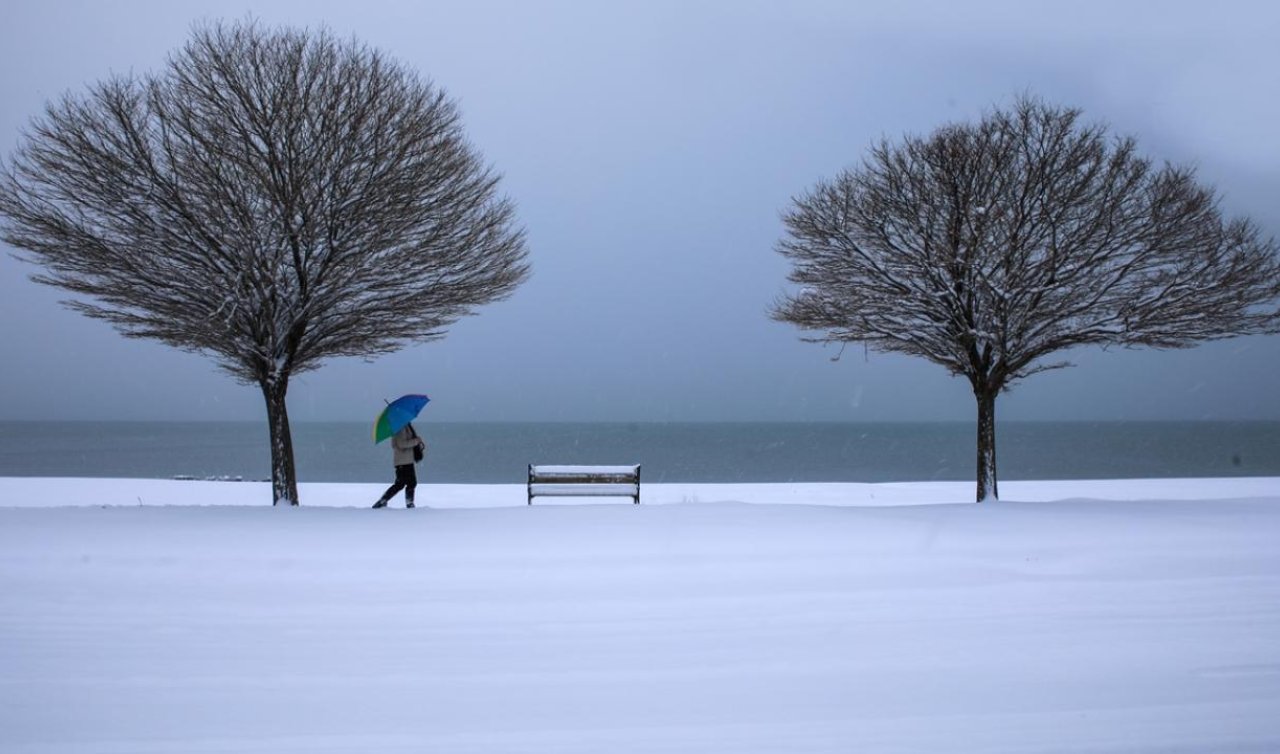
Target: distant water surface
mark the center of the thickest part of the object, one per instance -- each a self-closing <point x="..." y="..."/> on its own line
<point x="668" y="452"/>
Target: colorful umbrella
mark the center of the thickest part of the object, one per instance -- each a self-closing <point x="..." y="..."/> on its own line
<point x="398" y="413"/>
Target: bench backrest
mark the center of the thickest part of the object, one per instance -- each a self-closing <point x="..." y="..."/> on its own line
<point x="584" y="481"/>
<point x="584" y="474"/>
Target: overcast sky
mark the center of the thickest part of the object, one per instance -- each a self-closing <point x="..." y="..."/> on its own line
<point x="650" y="147"/>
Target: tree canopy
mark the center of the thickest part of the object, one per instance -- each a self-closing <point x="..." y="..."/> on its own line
<point x="272" y="198"/>
<point x="989" y="247"/>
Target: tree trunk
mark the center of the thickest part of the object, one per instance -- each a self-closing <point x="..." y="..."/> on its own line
<point x="284" y="479"/>
<point x="987" y="489"/>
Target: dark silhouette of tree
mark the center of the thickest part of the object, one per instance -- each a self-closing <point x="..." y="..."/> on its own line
<point x="988" y="247"/>
<point x="272" y="198"/>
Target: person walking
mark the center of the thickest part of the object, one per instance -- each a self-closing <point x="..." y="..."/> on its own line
<point x="406" y="450"/>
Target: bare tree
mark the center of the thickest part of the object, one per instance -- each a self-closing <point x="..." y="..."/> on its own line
<point x="272" y="198"/>
<point x="986" y="248"/>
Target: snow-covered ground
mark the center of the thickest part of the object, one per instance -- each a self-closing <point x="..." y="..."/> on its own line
<point x="167" y="616"/>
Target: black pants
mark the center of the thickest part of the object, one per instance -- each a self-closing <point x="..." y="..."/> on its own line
<point x="406" y="479"/>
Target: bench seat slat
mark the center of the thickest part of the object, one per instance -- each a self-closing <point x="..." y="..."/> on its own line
<point x="585" y="490"/>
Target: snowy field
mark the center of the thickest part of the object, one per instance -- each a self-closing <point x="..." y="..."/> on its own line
<point x="165" y="616"/>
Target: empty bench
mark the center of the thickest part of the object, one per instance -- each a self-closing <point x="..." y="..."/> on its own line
<point x="584" y="481"/>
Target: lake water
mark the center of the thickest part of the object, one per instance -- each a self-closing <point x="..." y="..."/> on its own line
<point x="670" y="452"/>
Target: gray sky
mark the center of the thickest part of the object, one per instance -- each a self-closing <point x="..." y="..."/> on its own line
<point x="650" y="147"/>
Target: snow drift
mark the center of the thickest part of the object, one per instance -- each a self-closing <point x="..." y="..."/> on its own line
<point x="711" y="618"/>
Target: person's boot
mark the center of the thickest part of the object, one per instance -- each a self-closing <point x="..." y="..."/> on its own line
<point x="408" y="503"/>
<point x="380" y="504"/>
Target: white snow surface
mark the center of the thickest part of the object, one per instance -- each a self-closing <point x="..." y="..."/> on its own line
<point x="575" y="470"/>
<point x="181" y="616"/>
